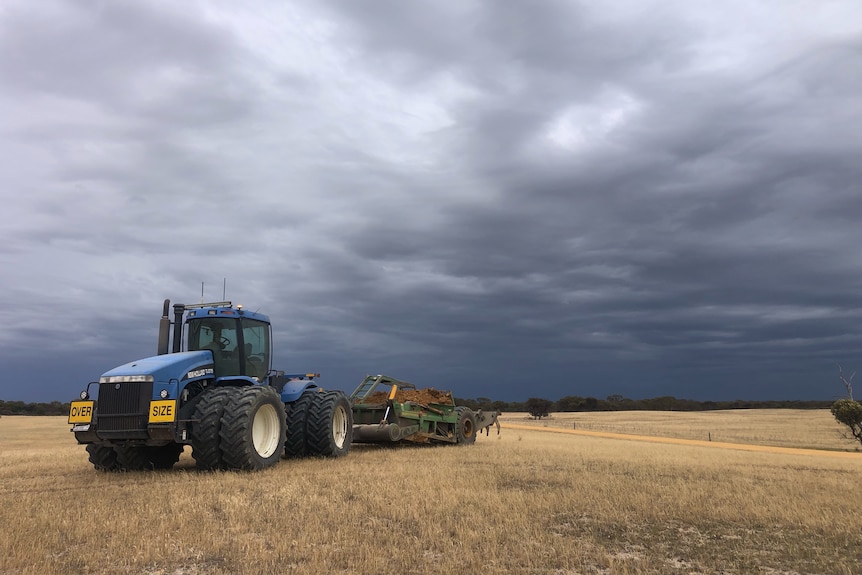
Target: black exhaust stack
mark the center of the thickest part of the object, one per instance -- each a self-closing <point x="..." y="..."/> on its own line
<point x="179" y="310"/>
<point x="164" y="329"/>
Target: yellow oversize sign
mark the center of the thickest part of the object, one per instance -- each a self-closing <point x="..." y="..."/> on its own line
<point x="81" y="412"/>
<point x="162" y="411"/>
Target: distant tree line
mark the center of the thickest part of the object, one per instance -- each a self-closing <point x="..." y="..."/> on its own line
<point x="21" y="408"/>
<point x="620" y="403"/>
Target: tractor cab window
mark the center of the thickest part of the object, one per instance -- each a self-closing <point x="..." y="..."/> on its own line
<point x="220" y="336"/>
<point x="243" y="351"/>
<point x="255" y="336"/>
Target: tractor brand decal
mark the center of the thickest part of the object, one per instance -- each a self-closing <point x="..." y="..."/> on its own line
<point x="161" y="411"/>
<point x="199" y="373"/>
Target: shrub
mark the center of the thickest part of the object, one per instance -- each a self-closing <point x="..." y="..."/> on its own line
<point x="848" y="412"/>
<point x="538" y="407"/>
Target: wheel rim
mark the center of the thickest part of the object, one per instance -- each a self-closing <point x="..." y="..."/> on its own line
<point x="339" y="426"/>
<point x="265" y="431"/>
<point x="467" y="428"/>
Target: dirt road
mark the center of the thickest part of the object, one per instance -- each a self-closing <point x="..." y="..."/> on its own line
<point x="695" y="442"/>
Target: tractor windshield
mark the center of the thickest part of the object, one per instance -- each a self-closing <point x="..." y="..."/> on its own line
<point x="243" y="351"/>
<point x="218" y="335"/>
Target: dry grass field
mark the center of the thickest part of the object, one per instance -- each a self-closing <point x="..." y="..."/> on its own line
<point x="529" y="502"/>
<point x="805" y="428"/>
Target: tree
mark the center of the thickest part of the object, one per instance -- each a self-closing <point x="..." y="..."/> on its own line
<point x="538" y="407"/>
<point x="848" y="411"/>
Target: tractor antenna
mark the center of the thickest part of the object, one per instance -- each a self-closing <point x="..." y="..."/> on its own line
<point x="224" y="289"/>
<point x="202" y="292"/>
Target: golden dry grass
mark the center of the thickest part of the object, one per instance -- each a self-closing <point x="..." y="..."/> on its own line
<point x="805" y="428"/>
<point x="528" y="502"/>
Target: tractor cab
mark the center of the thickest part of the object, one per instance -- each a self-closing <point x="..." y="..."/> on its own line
<point x="238" y="339"/>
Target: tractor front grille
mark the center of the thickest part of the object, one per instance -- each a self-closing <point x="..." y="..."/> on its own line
<point x="122" y="410"/>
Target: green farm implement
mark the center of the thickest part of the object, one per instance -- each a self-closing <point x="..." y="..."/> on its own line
<point x="387" y="410"/>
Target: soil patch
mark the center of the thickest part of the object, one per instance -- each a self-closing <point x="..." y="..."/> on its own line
<point x="421" y="396"/>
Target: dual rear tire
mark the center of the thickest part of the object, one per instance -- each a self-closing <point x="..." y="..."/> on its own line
<point x="319" y="423"/>
<point x="253" y="429"/>
<point x="239" y="428"/>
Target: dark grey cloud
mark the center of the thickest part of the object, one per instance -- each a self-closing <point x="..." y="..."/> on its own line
<point x="548" y="199"/>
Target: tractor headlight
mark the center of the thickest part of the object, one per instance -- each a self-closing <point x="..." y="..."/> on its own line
<point x="84" y="395"/>
<point x="164" y="394"/>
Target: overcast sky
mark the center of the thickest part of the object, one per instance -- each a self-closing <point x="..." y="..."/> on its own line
<point x="504" y="199"/>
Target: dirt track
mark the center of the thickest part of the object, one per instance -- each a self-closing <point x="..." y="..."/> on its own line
<point x="695" y="442"/>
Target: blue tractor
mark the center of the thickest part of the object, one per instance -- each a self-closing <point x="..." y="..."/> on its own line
<point x="219" y="395"/>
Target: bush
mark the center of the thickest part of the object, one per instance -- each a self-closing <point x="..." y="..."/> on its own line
<point x="538" y="407"/>
<point x="848" y="412"/>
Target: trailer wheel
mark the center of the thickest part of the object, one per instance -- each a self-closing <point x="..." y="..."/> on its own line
<point x="465" y="428"/>
<point x="253" y="429"/>
<point x="330" y="424"/>
<point x="206" y="442"/>
<point x="297" y="418"/>
<point x="103" y="457"/>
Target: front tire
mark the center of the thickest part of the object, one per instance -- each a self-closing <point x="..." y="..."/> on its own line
<point x="330" y="425"/>
<point x="148" y="457"/>
<point x="253" y="429"/>
<point x="103" y="457"/>
<point x="133" y="458"/>
<point x="164" y="456"/>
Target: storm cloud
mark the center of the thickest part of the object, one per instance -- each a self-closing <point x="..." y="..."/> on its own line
<point x="503" y="199"/>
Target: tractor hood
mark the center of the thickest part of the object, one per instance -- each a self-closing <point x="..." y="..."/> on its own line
<point x="164" y="368"/>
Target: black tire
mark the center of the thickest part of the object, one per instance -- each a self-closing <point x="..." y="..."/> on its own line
<point x="148" y="458"/>
<point x="103" y="457"/>
<point x="330" y="425"/>
<point x="164" y="456"/>
<point x="297" y="417"/>
<point x="134" y="458"/>
<point x="465" y="428"/>
<point x="253" y="429"/>
<point x="206" y="441"/>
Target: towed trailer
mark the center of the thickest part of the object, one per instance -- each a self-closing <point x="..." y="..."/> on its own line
<point x="388" y="410"/>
